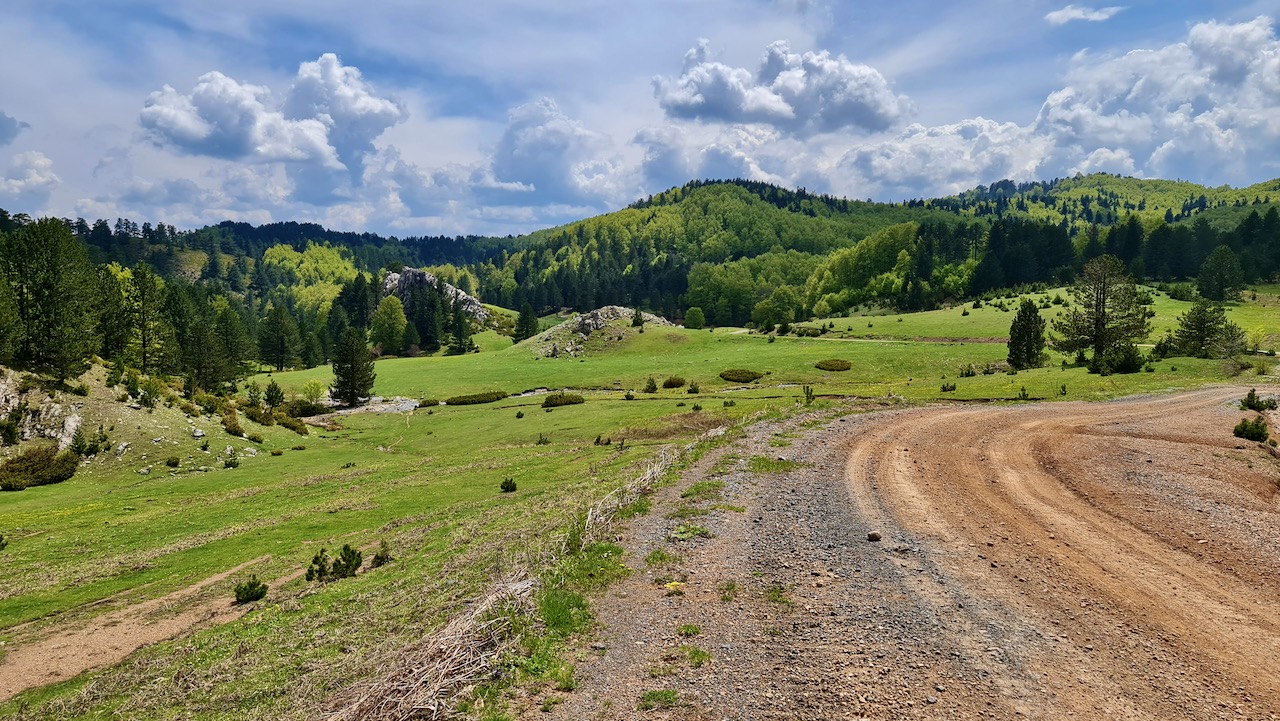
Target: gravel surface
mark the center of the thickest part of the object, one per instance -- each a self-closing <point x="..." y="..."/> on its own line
<point x="1108" y="560"/>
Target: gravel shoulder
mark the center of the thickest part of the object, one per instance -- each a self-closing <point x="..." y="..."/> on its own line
<point x="1109" y="560"/>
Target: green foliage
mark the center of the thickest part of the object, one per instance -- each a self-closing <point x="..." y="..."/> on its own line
<point x="658" y="699"/>
<point x="274" y="396"/>
<point x="279" y="341"/>
<point x="673" y="382"/>
<point x="697" y="657"/>
<point x="293" y="424"/>
<point x="172" y="461"/>
<point x="508" y="485"/>
<point x="688" y="630"/>
<point x="689" y="531"/>
<point x="741" y="375"/>
<point x="650" y="385"/>
<point x="661" y="557"/>
<point x="231" y="422"/>
<point x="1252" y="430"/>
<point x="254" y="437"/>
<point x="1107" y="311"/>
<point x="1221" y="277"/>
<point x="764" y="464"/>
<point x="324" y="570"/>
<point x="1026" y="336"/>
<point x="1204" y="332"/>
<point x="4" y="542"/>
<point x="38" y="465"/>
<point x="526" y="323"/>
<point x="475" y="398"/>
<point x="557" y="399"/>
<point x="250" y="591"/>
<point x="353" y="373"/>
<point x="383" y="556"/>
<point x="387" y="325"/>
<point x="1252" y="402"/>
<point x="833" y="364"/>
<point x="694" y="388"/>
<point x="809" y="395"/>
<point x="695" y="319"/>
<point x="231" y="461"/>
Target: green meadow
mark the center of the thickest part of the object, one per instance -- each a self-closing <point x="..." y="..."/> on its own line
<point x="427" y="482"/>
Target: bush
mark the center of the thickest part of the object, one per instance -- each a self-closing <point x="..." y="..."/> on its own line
<point x="543" y="439"/>
<point x="428" y="402"/>
<point x="250" y="591"/>
<point x="741" y="375"/>
<point x="833" y="364"/>
<point x="519" y="414"/>
<point x="968" y="371"/>
<point x="650" y="385"/>
<point x="344" y="566"/>
<point x="301" y="408"/>
<point x="231" y="461"/>
<point x="508" y="485"/>
<point x="172" y="461"/>
<point x="3" y="543"/>
<point x="383" y="556"/>
<point x="293" y="424"/>
<point x="693" y="388"/>
<point x="255" y="437"/>
<point x="232" y="423"/>
<point x="555" y="400"/>
<point x="299" y="448"/>
<point x="673" y="382"/>
<point x="475" y="398"/>
<point x="259" y="415"/>
<point x="629" y="396"/>
<point x="277" y="452"/>
<point x="1252" y="430"/>
<point x="1251" y="402"/>
<point x="948" y="387"/>
<point x="80" y="389"/>
<point x="38" y="465"/>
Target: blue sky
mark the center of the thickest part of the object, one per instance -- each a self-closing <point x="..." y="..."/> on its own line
<point x="502" y="116"/>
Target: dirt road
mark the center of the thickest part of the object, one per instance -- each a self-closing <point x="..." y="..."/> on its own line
<point x="1114" y="560"/>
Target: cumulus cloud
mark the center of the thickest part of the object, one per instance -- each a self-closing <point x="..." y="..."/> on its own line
<point x="322" y="129"/>
<point x="546" y="152"/>
<point x="29" y="182"/>
<point x="800" y="94"/>
<point x="9" y="128"/>
<point x="1072" y="13"/>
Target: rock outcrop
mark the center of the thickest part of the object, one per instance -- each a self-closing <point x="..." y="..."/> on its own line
<point x="569" y="338"/>
<point x="402" y="284"/>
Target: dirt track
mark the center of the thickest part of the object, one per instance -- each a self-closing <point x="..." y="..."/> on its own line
<point x="1112" y="560"/>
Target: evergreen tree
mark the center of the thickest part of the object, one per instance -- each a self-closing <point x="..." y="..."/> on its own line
<point x="526" y="324"/>
<point x="412" y="343"/>
<point x="353" y="373"/>
<point x="52" y="284"/>
<point x="1026" y="336"/>
<point x="1221" y="277"/>
<point x="386" y="326"/>
<point x="236" y="343"/>
<point x="637" y="319"/>
<point x="274" y="395"/>
<point x="144" y="299"/>
<point x="1201" y="329"/>
<point x="460" y="329"/>
<point x="112" y="316"/>
<point x="694" y="319"/>
<point x="335" y="327"/>
<point x="206" y="361"/>
<point x="278" y="339"/>
<point x="1107" y="312"/>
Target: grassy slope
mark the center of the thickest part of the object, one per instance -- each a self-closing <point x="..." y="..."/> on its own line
<point x="428" y="484"/>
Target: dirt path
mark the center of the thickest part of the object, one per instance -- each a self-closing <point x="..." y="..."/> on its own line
<point x="1110" y="560"/>
<point x="109" y="638"/>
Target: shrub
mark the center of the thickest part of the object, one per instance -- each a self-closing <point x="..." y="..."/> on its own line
<point x="948" y="387"/>
<point x="475" y="398"/>
<point x="693" y="387"/>
<point x="299" y="448"/>
<point x="673" y="382"/>
<point x="543" y="440"/>
<point x="1124" y="358"/>
<point x="556" y="400"/>
<point x="319" y="569"/>
<point x="259" y="415"/>
<point x="1252" y="430"/>
<point x="383" y="556"/>
<point x="80" y="389"/>
<point x="302" y="408"/>
<point x="232" y="423"/>
<point x="231" y="461"/>
<point x="650" y="385"/>
<point x="3" y="543"/>
<point x="428" y="402"/>
<point x="696" y="407"/>
<point x="250" y="591"/>
<point x="277" y="452"/>
<point x="293" y="424"/>
<point x="208" y="403"/>
<point x="172" y="461"/>
<point x="741" y="375"/>
<point x="730" y="404"/>
<point x="1251" y="402"/>
<point x="347" y="562"/>
<point x="629" y="396"/>
<point x="255" y="437"/>
<point x="519" y="414"/>
<point x="38" y="465"/>
<point x="508" y="485"/>
<point x="833" y="364"/>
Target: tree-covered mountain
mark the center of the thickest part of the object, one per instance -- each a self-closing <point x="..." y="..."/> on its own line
<point x="203" y="303"/>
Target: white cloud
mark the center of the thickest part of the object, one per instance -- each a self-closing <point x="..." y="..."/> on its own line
<point x="800" y="94"/>
<point x="1072" y="13"/>
<point x="29" y="182"/>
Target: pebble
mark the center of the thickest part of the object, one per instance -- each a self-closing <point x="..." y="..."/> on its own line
<point x="873" y="536"/>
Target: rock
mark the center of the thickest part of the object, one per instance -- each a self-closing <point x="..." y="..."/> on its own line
<point x="158" y="440"/>
<point x="403" y="284"/>
<point x="873" y="536"/>
<point x="250" y="452"/>
<point x="122" y="449"/>
<point x="931" y="699"/>
<point x="197" y="433"/>
<point x="136" y="406"/>
<point x="144" y="471"/>
<point x="229" y="451"/>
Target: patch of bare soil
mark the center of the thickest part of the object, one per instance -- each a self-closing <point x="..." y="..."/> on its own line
<point x="1110" y="560"/>
<point x="109" y="638"/>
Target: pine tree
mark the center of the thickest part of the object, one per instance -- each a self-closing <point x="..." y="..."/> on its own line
<point x="1107" y="313"/>
<point x="637" y="319"/>
<point x="460" y="328"/>
<point x="1221" y="277"/>
<point x="274" y="395"/>
<point x="278" y="339"/>
<point x="1026" y="336"/>
<point x="526" y="324"/>
<point x="353" y="373"/>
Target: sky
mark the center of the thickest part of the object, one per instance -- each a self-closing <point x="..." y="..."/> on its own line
<point x="499" y="117"/>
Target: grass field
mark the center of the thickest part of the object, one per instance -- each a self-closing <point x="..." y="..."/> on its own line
<point x="428" y="483"/>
